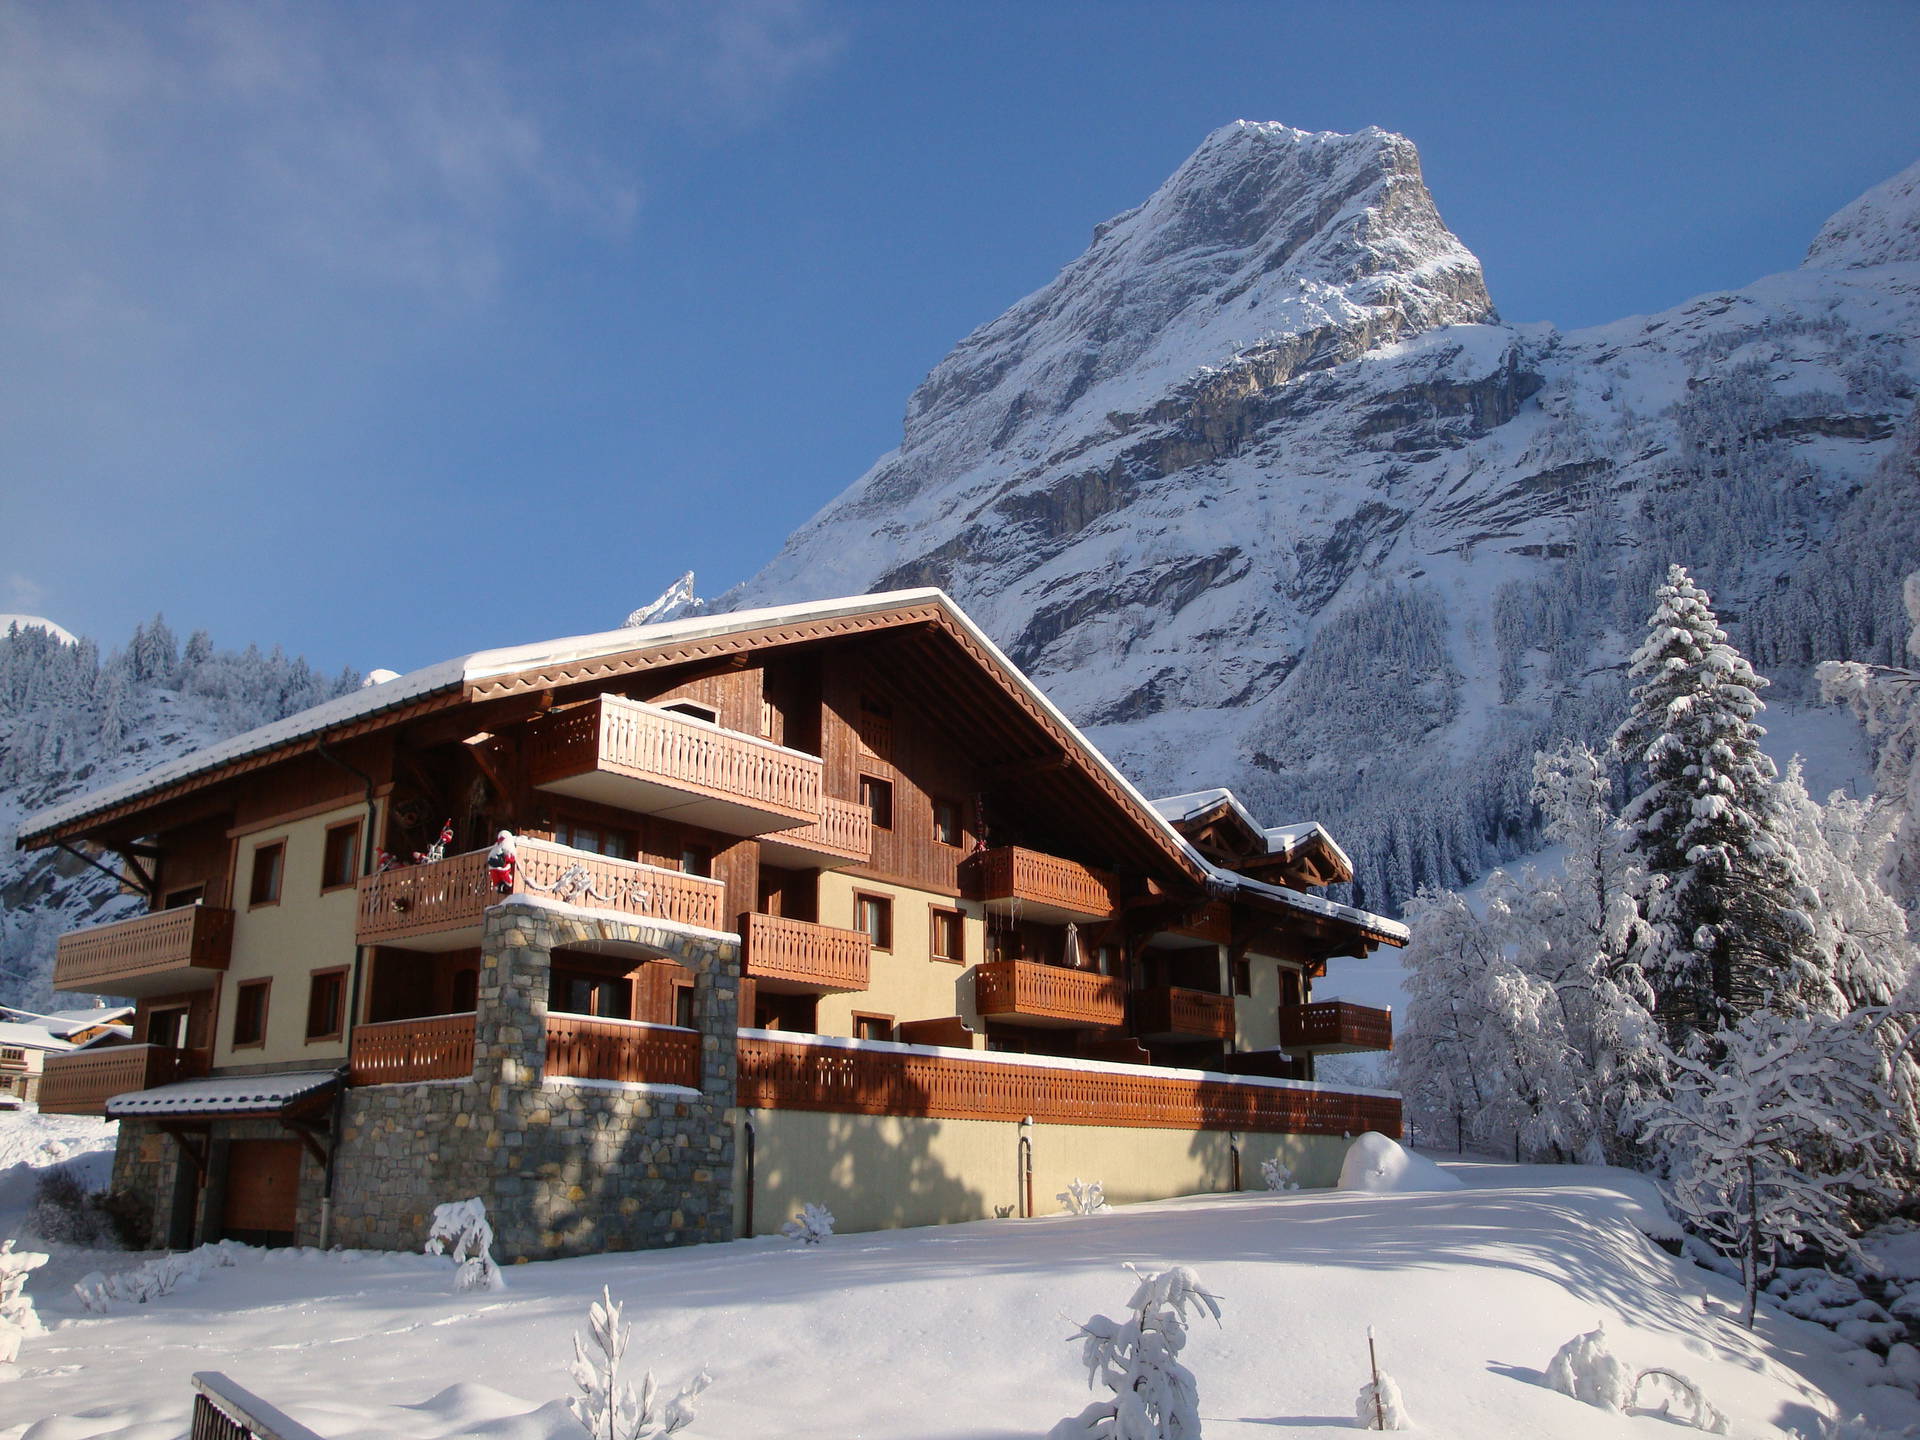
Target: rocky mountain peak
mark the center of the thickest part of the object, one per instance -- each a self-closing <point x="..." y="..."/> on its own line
<point x="1882" y="227"/>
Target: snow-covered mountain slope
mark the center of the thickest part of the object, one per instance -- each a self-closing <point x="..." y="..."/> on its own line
<point x="1263" y="492"/>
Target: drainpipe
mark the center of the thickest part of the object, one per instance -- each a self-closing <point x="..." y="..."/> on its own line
<point x="1233" y="1146"/>
<point x="747" y="1125"/>
<point x="367" y="850"/>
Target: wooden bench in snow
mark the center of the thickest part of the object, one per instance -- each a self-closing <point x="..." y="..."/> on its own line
<point x="224" y="1411"/>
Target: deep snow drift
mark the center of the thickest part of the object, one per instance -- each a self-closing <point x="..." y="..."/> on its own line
<point x="963" y="1330"/>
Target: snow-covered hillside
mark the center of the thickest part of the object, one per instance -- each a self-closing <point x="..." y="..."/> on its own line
<point x="70" y="722"/>
<point x="964" y="1331"/>
<point x="1265" y="495"/>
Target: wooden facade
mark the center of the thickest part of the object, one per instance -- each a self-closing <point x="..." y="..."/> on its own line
<point x="908" y="842"/>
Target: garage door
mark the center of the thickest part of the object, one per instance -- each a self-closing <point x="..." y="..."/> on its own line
<point x="263" y="1191"/>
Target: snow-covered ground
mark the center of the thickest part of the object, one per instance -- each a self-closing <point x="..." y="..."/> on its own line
<point x="962" y="1330"/>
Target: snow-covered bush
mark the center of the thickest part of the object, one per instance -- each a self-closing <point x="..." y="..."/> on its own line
<point x="1380" y="1406"/>
<point x="1154" y="1396"/>
<point x="1082" y="1197"/>
<point x="1278" y="1176"/>
<point x="810" y="1225"/>
<point x="147" y="1282"/>
<point x="1700" y="1414"/>
<point x="461" y="1232"/>
<point x="67" y="1213"/>
<point x="606" y="1406"/>
<point x="1834" y="1300"/>
<point x="18" y="1318"/>
<point x="1588" y="1371"/>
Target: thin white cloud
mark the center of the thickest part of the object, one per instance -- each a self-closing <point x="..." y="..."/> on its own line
<point x="24" y="594"/>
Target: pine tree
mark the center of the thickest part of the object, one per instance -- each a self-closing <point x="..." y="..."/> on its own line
<point x="1726" y="909"/>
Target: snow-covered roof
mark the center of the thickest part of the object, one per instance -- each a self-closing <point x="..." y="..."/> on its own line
<point x="66" y="1022"/>
<point x="461" y="671"/>
<point x="1280" y="839"/>
<point x="1311" y="904"/>
<point x="31" y="1037"/>
<point x="487" y="664"/>
<point x="225" y="1094"/>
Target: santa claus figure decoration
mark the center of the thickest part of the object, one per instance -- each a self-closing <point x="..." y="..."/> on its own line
<point x="502" y="863"/>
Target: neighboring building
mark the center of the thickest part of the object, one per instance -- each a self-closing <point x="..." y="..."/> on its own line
<point x="818" y="903"/>
<point x="27" y="1039"/>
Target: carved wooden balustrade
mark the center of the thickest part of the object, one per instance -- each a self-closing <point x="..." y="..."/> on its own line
<point x="433" y="1047"/>
<point x="443" y="902"/>
<point x="817" y="957"/>
<point x="1187" y="1014"/>
<point x="843" y="832"/>
<point x="1044" y="886"/>
<point x="81" y="1083"/>
<point x="587" y="1047"/>
<point x="169" y="950"/>
<point x="1023" y="990"/>
<point x="888" y="1080"/>
<point x="674" y="761"/>
<point x="1335" y="1026"/>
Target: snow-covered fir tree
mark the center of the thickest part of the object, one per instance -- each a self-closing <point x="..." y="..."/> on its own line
<point x="1887" y="700"/>
<point x="1727" y="911"/>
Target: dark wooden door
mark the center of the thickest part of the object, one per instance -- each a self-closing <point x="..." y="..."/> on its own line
<point x="263" y="1191"/>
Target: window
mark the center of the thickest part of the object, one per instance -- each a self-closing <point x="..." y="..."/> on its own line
<point x="1243" y="977"/>
<point x="872" y="1027"/>
<point x="693" y="709"/>
<point x="326" y="1003"/>
<point x="949" y="934"/>
<point x="946" y="822"/>
<point x="874" y="914"/>
<point x="250" y="1010"/>
<point x="877" y="796"/>
<point x="168" y="1027"/>
<point x="341" y="865"/>
<point x="268" y="861"/>
<point x="595" y="839"/>
<point x="683" y="1006"/>
<point x="696" y="860"/>
<point x="580" y="994"/>
<point x="875" y="728"/>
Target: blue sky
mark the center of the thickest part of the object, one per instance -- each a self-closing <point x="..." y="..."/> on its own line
<point x="387" y="331"/>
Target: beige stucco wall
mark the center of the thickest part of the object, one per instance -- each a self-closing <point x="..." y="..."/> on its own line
<point x="304" y="932"/>
<point x="878" y="1172"/>
<point x="906" y="982"/>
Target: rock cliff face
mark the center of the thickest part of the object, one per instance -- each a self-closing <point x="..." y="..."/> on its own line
<point x="1264" y="493"/>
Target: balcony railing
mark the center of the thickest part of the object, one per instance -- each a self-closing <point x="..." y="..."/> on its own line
<point x="641" y="757"/>
<point x="587" y="1047"/>
<point x="843" y="835"/>
<point x="81" y="1083"/>
<point x="168" y="951"/>
<point x="1176" y="1013"/>
<point x="1335" y="1027"/>
<point x="1042" y="887"/>
<point x="441" y="906"/>
<point x="874" y="1079"/>
<point x="795" y="954"/>
<point x="1047" y="994"/>
<point x="393" y="1052"/>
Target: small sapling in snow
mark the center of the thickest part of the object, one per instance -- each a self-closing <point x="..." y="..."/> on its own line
<point x="1083" y="1197"/>
<point x="812" y="1224"/>
<point x="1379" y="1405"/>
<point x="1587" y="1370"/>
<point x="1154" y="1396"/>
<point x="18" y="1318"/>
<point x="461" y="1232"/>
<point x="606" y="1406"/>
<point x="1278" y="1176"/>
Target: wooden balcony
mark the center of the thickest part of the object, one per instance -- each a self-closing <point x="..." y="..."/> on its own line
<point x="158" y="954"/>
<point x="587" y="1047"/>
<point x="394" y="1052"/>
<point x="784" y="954"/>
<point x="842" y="836"/>
<point x="1038" y="886"/>
<point x="1172" y="1012"/>
<point x="1335" y="1027"/>
<point x="442" y="906"/>
<point x="658" y="762"/>
<point x="1024" y="993"/>
<point x="81" y="1083"/>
